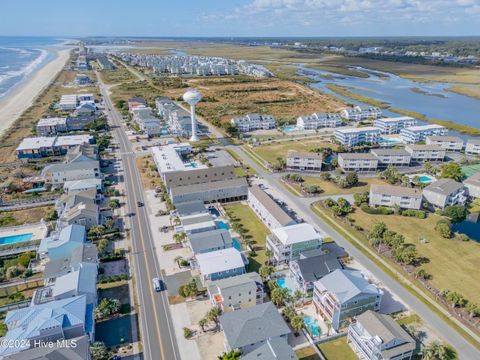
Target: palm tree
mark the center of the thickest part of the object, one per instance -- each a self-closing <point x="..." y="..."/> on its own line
<point x="438" y="351"/>
<point x="180" y="237"/>
<point x="297" y="324"/>
<point x="232" y="355"/>
<point x="177" y="259"/>
<point x="268" y="254"/>
<point x="202" y="323"/>
<point x="213" y="314"/>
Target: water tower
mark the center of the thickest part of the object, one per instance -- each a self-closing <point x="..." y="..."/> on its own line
<point x="192" y="97"/>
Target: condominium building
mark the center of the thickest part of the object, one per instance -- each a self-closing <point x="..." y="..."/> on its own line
<point x="51" y="126"/>
<point x="357" y="161"/>
<point x="251" y="122"/>
<point x="420" y="153"/>
<point x="445" y="192"/>
<point x="472" y="147"/>
<point x="343" y="294"/>
<point x="473" y="185"/>
<point x="395" y="157"/>
<point x="287" y="243"/>
<point x="388" y="195"/>
<point x="414" y="134"/>
<point x="357" y="113"/>
<point x="394" y="125"/>
<point x="304" y="161"/>
<point x="375" y="336"/>
<point x="355" y="136"/>
<point x="318" y="120"/>
<point x="267" y="209"/>
<point x="449" y="143"/>
<point x="237" y="292"/>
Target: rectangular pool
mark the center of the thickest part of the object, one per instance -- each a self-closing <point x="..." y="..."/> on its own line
<point x="222" y="225"/>
<point x="15" y="238"/>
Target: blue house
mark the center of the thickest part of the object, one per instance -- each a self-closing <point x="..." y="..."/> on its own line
<point x="221" y="264"/>
<point x="62" y="244"/>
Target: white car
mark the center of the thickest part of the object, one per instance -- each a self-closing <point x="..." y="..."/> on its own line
<point x="157" y="285"/>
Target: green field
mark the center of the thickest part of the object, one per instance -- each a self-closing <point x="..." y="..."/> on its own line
<point x="307" y="353"/>
<point x="469" y="170"/>
<point x="255" y="228"/>
<point x="337" y="349"/>
<point x="330" y="188"/>
<point x="450" y="261"/>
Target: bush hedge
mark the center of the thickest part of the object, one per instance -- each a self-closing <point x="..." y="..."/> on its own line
<point x="381" y="210"/>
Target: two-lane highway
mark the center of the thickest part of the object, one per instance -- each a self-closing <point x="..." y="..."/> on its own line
<point x="157" y="331"/>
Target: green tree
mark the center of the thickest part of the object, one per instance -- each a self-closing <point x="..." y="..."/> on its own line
<point x="456" y="299"/>
<point x="99" y="351"/>
<point x="456" y="213"/>
<point x="443" y="229"/>
<point x="202" y="323"/>
<point x="187" y="333"/>
<point x="376" y="234"/>
<point x="351" y="179"/>
<point x="230" y="129"/>
<point x="451" y="170"/>
<point x="213" y="314"/>
<point x="265" y="271"/>
<point x="312" y="189"/>
<point x="114" y="204"/>
<point x="473" y="309"/>
<point x="278" y="296"/>
<point x="52" y="215"/>
<point x="360" y="198"/>
<point x="297" y="324"/>
<point x="107" y="307"/>
<point x="180" y="237"/>
<point x="438" y="351"/>
<point x="96" y="231"/>
<point x="109" y="223"/>
<point x="421" y="273"/>
<point x="232" y="355"/>
<point x="103" y="246"/>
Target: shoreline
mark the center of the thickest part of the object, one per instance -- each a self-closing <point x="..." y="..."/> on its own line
<point x="23" y="96"/>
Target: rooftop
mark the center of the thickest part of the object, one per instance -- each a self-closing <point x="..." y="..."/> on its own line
<point x="352" y="130"/>
<point x="395" y="119"/>
<point x="168" y="158"/>
<point x="273" y="349"/>
<point x="391" y="152"/>
<point x="357" y="156"/>
<point x="445" y="138"/>
<point x="425" y="127"/>
<point x="187" y="189"/>
<point x="220" y="260"/>
<point x="272" y="207"/>
<point x="444" y="186"/>
<point x="202" y="241"/>
<point x="304" y="154"/>
<point x="313" y="268"/>
<point x="424" y="147"/>
<point x="395" y="191"/>
<point x="191" y="208"/>
<point x="294" y="234"/>
<point x="473" y="180"/>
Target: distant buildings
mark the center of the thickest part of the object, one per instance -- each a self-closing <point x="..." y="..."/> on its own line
<point x="445" y="192"/>
<point x="287" y="243"/>
<point x="357" y="113"/>
<point x="355" y="136"/>
<point x="387" y="195"/>
<point x="82" y="79"/>
<point x="318" y="120"/>
<point x="415" y="134"/>
<point x="146" y="121"/>
<point x="304" y="161"/>
<point x="38" y="147"/>
<point x="343" y="294"/>
<point x="267" y="209"/>
<point x="472" y="185"/>
<point x="357" y="161"/>
<point x="449" y="143"/>
<point x="395" y="157"/>
<point x="70" y="102"/>
<point x="420" y="153"/>
<point x="394" y="125"/>
<point x="472" y="147"/>
<point x="375" y="336"/>
<point x="251" y="122"/>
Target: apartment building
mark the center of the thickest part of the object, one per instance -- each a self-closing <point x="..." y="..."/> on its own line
<point x="251" y="122"/>
<point x="394" y="125"/>
<point x="415" y="134"/>
<point x="343" y="294"/>
<point x="51" y="126"/>
<point x="271" y="214"/>
<point x="445" y="192"/>
<point x="420" y="153"/>
<point x="449" y="143"/>
<point x="355" y="136"/>
<point x="472" y="147"/>
<point x="318" y="120"/>
<point x="357" y="161"/>
<point x="395" y="157"/>
<point x="389" y="195"/>
<point x="375" y="336"/>
<point x="473" y="185"/>
<point x="287" y="243"/>
<point x="39" y="147"/>
<point x="237" y="292"/>
<point x="358" y="113"/>
<point x="304" y="161"/>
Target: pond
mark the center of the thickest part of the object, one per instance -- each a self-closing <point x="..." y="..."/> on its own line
<point x="116" y="331"/>
<point x="470" y="226"/>
<point x="430" y="98"/>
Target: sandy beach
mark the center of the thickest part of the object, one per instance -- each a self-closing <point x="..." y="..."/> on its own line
<point x="22" y="97"/>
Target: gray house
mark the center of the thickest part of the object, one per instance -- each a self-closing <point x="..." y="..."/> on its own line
<point x="389" y="195"/>
<point x="208" y="241"/>
<point x="274" y="349"/>
<point x="445" y="192"/>
<point x="249" y="329"/>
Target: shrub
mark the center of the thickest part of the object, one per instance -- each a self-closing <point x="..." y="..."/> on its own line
<point x="463" y="237"/>
<point x="381" y="210"/>
<point x="420" y="214"/>
<point x="444" y="229"/>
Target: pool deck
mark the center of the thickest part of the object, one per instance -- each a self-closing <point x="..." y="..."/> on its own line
<point x="38" y="231"/>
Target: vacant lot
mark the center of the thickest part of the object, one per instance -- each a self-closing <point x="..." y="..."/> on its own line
<point x="255" y="229"/>
<point x="451" y="261"/>
<point x="270" y="152"/>
<point x="337" y="349"/>
<point x="307" y="353"/>
<point x="330" y="188"/>
<point x="30" y="216"/>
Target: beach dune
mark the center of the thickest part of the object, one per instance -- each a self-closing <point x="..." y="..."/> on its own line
<point x="22" y="97"/>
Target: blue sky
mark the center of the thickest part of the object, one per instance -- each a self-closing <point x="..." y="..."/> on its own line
<point x="240" y="17"/>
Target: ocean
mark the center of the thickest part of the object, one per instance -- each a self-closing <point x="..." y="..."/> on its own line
<point x="20" y="57"/>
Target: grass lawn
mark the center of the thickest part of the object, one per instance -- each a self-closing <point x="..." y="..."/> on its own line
<point x="412" y="319"/>
<point x="307" y="353"/>
<point x="330" y="188"/>
<point x="337" y="349"/>
<point x="451" y="261"/>
<point x="270" y="152"/>
<point x="255" y="228"/>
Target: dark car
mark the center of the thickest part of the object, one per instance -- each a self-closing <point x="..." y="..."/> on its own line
<point x="139" y="204"/>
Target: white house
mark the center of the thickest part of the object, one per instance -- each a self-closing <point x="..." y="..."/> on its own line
<point x="388" y="195"/>
<point x="354" y="136"/>
<point x="304" y="161"/>
<point x="358" y="161"/>
<point x="357" y="113"/>
<point x="473" y="185"/>
<point x="394" y="125"/>
<point x="472" y="147"/>
<point x="449" y="143"/>
<point x="287" y="243"/>
<point x="267" y="209"/>
<point x="318" y="120"/>
<point x="395" y="157"/>
<point x="445" y="192"/>
<point x="251" y="122"/>
<point x="422" y="153"/>
<point x="220" y="264"/>
<point x="414" y="134"/>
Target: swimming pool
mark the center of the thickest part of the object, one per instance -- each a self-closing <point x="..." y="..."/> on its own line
<point x="15" y="239"/>
<point x="222" y="225"/>
<point x="312" y="325"/>
<point x="425" y="179"/>
<point x="236" y="244"/>
<point x="214" y="211"/>
<point x="286" y="283"/>
<point x="289" y="128"/>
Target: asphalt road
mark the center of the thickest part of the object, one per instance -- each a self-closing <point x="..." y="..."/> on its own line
<point x="157" y="333"/>
<point x="464" y="349"/>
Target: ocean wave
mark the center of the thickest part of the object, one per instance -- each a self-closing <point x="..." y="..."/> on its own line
<point x="26" y="70"/>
